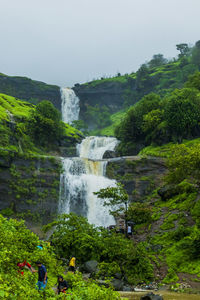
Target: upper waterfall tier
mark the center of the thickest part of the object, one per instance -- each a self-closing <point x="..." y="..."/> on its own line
<point x="70" y="105"/>
<point x="94" y="147"/>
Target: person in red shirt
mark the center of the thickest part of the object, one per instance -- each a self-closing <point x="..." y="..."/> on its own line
<point x="22" y="265"/>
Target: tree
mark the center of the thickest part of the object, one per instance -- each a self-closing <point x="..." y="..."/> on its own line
<point x="183" y="163"/>
<point x="182" y="113"/>
<point x="184" y="49"/>
<point x="196" y="54"/>
<point x="157" y="60"/>
<point x="74" y="235"/>
<point x="45" y="125"/>
<point x="117" y="198"/>
<point x="194" y="81"/>
<point x="131" y="128"/>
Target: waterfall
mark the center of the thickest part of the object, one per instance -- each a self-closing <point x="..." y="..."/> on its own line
<point x="69" y="106"/>
<point x="82" y="177"/>
<point x="94" y="147"/>
<point x="85" y="174"/>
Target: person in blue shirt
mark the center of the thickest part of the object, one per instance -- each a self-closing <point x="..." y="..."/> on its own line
<point x="42" y="276"/>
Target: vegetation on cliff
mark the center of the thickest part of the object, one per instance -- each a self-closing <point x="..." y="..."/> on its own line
<point x="29" y="90"/>
<point x="32" y="129"/>
<point x="158" y="76"/>
<point x="158" y="121"/>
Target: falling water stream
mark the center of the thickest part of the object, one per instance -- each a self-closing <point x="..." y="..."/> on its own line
<point x="85" y="174"/>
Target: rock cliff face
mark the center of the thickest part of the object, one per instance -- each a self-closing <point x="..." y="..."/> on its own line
<point x="140" y="176"/>
<point x="30" y="90"/>
<point x="109" y="93"/>
<point x="29" y="187"/>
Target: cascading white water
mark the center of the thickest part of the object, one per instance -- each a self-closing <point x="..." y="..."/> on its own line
<point x="82" y="177"/>
<point x="69" y="106"/>
<point x="85" y="174"/>
<point x="94" y="147"/>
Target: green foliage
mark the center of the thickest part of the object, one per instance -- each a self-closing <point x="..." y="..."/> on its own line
<point x="182" y="113"/>
<point x="139" y="213"/>
<point x="115" y="197"/>
<point x="184" y="163"/>
<point x="25" y="128"/>
<point x="98" y="115"/>
<point x="193" y="81"/>
<point x="78" y="237"/>
<point x="73" y="235"/>
<point x="108" y="270"/>
<point x="131" y="128"/>
<point x="115" y="118"/>
<point x="184" y="50"/>
<point x="196" y="54"/>
<point x="155" y="121"/>
<point x="80" y="125"/>
<point x="19" y="244"/>
<point x="157" y="60"/>
<point x="45" y="124"/>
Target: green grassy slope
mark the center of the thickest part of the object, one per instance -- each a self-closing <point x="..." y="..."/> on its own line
<point x="14" y="115"/>
<point x="173" y="235"/>
<point x="109" y="130"/>
<point x="30" y="90"/>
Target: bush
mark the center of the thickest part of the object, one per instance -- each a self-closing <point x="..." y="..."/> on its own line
<point x="139" y="213"/>
<point x="45" y="125"/>
<point x="19" y="244"/>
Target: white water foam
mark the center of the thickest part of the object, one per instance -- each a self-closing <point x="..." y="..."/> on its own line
<point x="69" y="106"/>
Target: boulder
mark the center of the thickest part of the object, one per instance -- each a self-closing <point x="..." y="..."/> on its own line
<point x="118" y="275"/>
<point x="117" y="284"/>
<point x="90" y="266"/>
<point x="127" y="288"/>
<point x="109" y="154"/>
<point x="151" y="296"/>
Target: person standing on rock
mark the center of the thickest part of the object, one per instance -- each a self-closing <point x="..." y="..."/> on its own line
<point x="72" y="264"/>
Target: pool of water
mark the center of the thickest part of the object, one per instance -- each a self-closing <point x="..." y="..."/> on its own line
<point x="166" y="295"/>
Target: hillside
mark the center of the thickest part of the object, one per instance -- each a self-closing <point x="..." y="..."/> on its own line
<point x="30" y="90"/>
<point x="106" y="96"/>
<point x="31" y="139"/>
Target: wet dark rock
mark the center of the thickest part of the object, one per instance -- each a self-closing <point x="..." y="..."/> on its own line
<point x="90" y="266"/>
<point x="108" y="93"/>
<point x="151" y="296"/>
<point x="127" y="288"/>
<point x="118" y="275"/>
<point x="109" y="154"/>
<point x="29" y="186"/>
<point x="139" y="175"/>
<point x="117" y="284"/>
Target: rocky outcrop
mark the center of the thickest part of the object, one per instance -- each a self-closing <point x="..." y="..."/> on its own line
<point x="90" y="266"/>
<point x="30" y="90"/>
<point x="108" y="93"/>
<point x="29" y="187"/>
<point x="140" y="176"/>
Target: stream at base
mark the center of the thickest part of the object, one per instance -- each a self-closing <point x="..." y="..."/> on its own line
<point x="165" y="294"/>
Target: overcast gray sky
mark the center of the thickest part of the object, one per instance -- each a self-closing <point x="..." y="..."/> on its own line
<point x="68" y="41"/>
